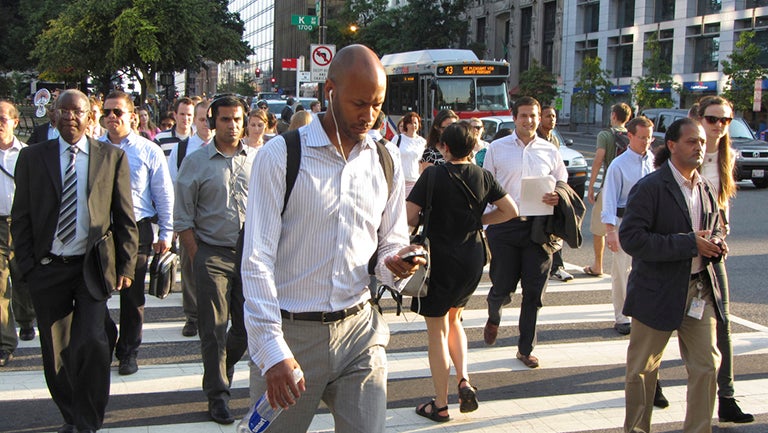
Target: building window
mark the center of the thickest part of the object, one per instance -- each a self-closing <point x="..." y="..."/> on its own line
<point x="664" y="11"/>
<point x="625" y="13"/>
<point x="548" y="45"/>
<point x="589" y="13"/>
<point x="480" y="32"/>
<point x="707" y="7"/>
<point x="526" y="16"/>
<point x="620" y="53"/>
<point x="706" y="54"/>
<point x="756" y="3"/>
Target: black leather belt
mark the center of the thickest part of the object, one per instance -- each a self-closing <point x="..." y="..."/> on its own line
<point x="699" y="275"/>
<point x="51" y="258"/>
<point x="620" y="212"/>
<point x="318" y="316"/>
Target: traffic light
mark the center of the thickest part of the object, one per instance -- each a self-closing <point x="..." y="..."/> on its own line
<point x="257" y="72"/>
<point x="273" y="80"/>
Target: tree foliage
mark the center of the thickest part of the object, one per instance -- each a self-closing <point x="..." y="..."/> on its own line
<point x="592" y="82"/>
<point x="21" y="22"/>
<point x="538" y="83"/>
<point x="743" y="69"/>
<point x="418" y="25"/>
<point x="139" y="38"/>
<point x="657" y="75"/>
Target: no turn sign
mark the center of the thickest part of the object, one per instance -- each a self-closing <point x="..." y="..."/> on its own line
<point x="320" y="58"/>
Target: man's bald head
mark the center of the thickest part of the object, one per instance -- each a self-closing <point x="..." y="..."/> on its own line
<point x="354" y="58"/>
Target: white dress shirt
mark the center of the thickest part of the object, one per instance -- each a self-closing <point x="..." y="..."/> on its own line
<point x="510" y="160"/>
<point x="8" y="159"/>
<point x="314" y="257"/>
<point x="77" y="246"/>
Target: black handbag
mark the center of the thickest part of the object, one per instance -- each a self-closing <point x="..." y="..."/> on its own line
<point x="418" y="285"/>
<point x="162" y="274"/>
<point x="474" y="203"/>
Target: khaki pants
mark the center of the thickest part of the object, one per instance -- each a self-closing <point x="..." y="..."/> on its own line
<point x="596" y="226"/>
<point x="620" y="269"/>
<point x="699" y="352"/>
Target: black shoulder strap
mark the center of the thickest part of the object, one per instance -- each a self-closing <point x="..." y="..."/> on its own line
<point x="474" y="203"/>
<point x="6" y="172"/>
<point x="387" y="164"/>
<point x="399" y="139"/>
<point x="182" y="151"/>
<point x="293" y="161"/>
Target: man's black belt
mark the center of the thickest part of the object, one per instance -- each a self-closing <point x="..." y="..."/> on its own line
<point x="53" y="258"/>
<point x="699" y="275"/>
<point x="318" y="316"/>
<point x="620" y="212"/>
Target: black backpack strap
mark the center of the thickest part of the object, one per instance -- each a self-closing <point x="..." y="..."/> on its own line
<point x="387" y="163"/>
<point x="181" y="151"/>
<point x="292" y="163"/>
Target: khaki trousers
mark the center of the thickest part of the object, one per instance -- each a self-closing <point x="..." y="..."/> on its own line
<point x="697" y="340"/>
<point x="620" y="269"/>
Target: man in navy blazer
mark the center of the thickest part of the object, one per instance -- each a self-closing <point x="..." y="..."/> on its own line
<point x="71" y="278"/>
<point x="672" y="230"/>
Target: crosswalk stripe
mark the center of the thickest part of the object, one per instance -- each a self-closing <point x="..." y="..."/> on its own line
<point x="402" y="365"/>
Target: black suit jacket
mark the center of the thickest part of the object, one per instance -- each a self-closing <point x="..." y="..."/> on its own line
<point x="39" y="134"/>
<point x="657" y="232"/>
<point x="112" y="237"/>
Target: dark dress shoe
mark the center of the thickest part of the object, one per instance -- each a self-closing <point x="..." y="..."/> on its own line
<point x="729" y="411"/>
<point x="189" y="329"/>
<point x="128" y="366"/>
<point x="658" y="398"/>
<point x="27" y="334"/>
<point x="5" y="357"/>
<point x="219" y="412"/>
<point x="67" y="428"/>
<point x="490" y="332"/>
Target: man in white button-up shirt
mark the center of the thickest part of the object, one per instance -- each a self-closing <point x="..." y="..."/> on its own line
<point x="516" y="258"/>
<point x="304" y="270"/>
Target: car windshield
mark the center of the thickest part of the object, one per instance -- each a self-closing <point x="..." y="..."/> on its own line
<point x="739" y="130"/>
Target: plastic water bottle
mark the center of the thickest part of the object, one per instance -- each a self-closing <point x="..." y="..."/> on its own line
<point x="261" y="414"/>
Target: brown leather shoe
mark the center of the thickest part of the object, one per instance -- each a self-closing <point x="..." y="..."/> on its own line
<point x="530" y="361"/>
<point x="490" y="332"/>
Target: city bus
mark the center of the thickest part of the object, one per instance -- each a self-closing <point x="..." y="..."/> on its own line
<point x="427" y="81"/>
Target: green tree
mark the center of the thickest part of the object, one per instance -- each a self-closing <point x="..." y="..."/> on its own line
<point x="21" y="22"/>
<point x="539" y="83"/>
<point x="592" y="82"/>
<point x="139" y="38"/>
<point x="242" y="87"/>
<point x="657" y="75"/>
<point x="743" y="69"/>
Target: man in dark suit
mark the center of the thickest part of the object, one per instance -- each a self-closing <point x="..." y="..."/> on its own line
<point x="76" y="242"/>
<point x="672" y="230"/>
<point x="46" y="131"/>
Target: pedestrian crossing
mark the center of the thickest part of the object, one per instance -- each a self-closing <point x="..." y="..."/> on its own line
<point x="578" y="388"/>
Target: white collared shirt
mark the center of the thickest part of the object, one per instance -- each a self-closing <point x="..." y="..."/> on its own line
<point x="314" y="257"/>
<point x="510" y="160"/>
<point x="691" y="190"/>
<point x="8" y="159"/>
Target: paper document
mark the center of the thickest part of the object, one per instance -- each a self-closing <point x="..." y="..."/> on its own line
<point x="531" y="192"/>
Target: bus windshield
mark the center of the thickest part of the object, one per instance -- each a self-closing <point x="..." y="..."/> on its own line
<point x="455" y="94"/>
<point x="491" y="95"/>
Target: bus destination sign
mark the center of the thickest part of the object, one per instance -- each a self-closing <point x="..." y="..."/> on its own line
<point x="472" y="70"/>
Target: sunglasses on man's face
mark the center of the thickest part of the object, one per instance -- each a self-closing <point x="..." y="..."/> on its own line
<point x="107" y="111"/>
<point x="714" y="119"/>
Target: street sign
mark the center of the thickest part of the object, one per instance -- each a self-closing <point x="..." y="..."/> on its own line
<point x="320" y="57"/>
<point x="304" y="22"/>
<point x="305" y="77"/>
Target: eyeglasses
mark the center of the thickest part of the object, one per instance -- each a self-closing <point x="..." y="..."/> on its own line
<point x="118" y="112"/>
<point x="63" y="112"/>
<point x="714" y="119"/>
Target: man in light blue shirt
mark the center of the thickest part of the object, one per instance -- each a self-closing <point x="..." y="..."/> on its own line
<point x="623" y="173"/>
<point x="152" y="192"/>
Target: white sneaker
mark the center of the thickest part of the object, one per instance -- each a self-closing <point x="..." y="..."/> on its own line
<point x="561" y="275"/>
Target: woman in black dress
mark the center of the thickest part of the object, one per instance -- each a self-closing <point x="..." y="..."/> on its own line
<point x="458" y="257"/>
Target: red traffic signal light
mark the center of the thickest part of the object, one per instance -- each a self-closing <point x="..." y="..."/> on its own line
<point x="273" y="80"/>
<point x="257" y="72"/>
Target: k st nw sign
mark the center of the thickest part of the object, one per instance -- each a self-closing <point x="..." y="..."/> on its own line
<point x="304" y="22"/>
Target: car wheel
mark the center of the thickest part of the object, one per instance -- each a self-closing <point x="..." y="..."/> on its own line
<point x="760" y="183"/>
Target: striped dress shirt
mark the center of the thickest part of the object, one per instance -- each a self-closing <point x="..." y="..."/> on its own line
<point x="314" y="257"/>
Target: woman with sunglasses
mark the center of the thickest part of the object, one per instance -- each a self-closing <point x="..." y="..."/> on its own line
<point x="715" y="114"/>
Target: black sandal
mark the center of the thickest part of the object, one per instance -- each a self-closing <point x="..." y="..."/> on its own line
<point x="467" y="397"/>
<point x="434" y="414"/>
